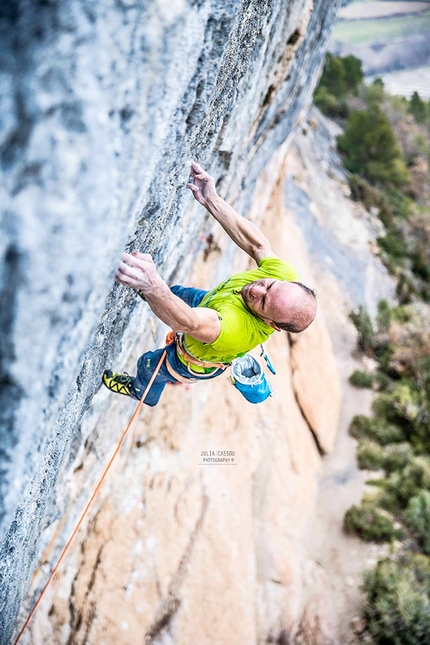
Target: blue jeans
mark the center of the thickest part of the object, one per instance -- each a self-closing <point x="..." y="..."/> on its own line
<point x="148" y="361"/>
<point x="192" y="297"/>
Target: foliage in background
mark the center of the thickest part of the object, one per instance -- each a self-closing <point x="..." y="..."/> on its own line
<point x="418" y="108"/>
<point x="341" y="75"/>
<point x="361" y="379"/>
<point x="395" y="442"/>
<point x="371" y="523"/>
<point x="398" y="592"/>
<point x="386" y="149"/>
<point x="371" y="150"/>
<point x="417" y="518"/>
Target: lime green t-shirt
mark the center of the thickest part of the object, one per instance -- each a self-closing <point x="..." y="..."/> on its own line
<point x="241" y="331"/>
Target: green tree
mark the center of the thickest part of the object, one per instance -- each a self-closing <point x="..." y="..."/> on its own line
<point x="353" y="72"/>
<point x="370" y="456"/>
<point x="361" y="379"/>
<point x="340" y="75"/>
<point x="377" y="429"/>
<point x="374" y="94"/>
<point x="398" y="601"/>
<point x="402" y="486"/>
<point x="418" y="108"/>
<point x="383" y="319"/>
<point x="363" y="324"/>
<point x="370" y="523"/>
<point x="417" y="517"/>
<point x="333" y="76"/>
<point x="329" y="104"/>
<point x="371" y="149"/>
<point x="397" y="456"/>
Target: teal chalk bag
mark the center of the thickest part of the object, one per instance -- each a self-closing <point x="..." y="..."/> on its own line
<point x="248" y="377"/>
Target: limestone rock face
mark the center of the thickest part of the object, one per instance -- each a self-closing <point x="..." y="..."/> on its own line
<point x="194" y="551"/>
<point x="316" y="383"/>
<point x="103" y="106"/>
<point x="178" y="549"/>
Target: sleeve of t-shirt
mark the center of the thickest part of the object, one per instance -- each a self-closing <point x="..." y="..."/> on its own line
<point x="277" y="268"/>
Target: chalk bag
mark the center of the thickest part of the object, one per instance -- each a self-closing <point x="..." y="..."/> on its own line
<point x="248" y="377"/>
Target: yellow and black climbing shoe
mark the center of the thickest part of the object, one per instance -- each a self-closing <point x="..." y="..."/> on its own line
<point x="119" y="383"/>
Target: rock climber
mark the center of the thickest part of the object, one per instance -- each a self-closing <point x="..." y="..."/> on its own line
<point x="213" y="327"/>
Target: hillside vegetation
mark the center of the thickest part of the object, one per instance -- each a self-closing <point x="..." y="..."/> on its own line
<point x="385" y="147"/>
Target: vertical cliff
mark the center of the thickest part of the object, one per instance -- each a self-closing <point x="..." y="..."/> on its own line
<point x="196" y="553"/>
<point x="103" y="106"/>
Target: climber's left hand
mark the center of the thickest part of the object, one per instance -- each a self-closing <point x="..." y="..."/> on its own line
<point x="202" y="185"/>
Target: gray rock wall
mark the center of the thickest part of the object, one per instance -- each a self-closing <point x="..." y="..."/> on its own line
<point x="103" y="105"/>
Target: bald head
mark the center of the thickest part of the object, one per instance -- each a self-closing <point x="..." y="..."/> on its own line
<point x="290" y="306"/>
<point x="300" y="309"/>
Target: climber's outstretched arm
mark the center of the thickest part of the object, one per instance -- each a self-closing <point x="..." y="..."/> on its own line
<point x="243" y="232"/>
<point x="138" y="271"/>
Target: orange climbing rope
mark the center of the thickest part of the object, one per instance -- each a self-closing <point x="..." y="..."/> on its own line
<point x="96" y="490"/>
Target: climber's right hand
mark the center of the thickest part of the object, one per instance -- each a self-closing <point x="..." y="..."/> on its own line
<point x="138" y="271"/>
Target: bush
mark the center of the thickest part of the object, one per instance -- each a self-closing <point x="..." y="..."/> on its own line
<point x="383" y="354"/>
<point x="333" y="76"/>
<point x="386" y="433"/>
<point x="405" y="289"/>
<point x="406" y="401"/>
<point x="418" y="108"/>
<point x="371" y="149"/>
<point x="417" y="517"/>
<point x="370" y="456"/>
<point x="353" y="72"/>
<point x="409" y="482"/>
<point x="420" y="260"/>
<point x="361" y="379"/>
<point x="383" y="319"/>
<point x="360" y="427"/>
<point x="329" y="104"/>
<point x="341" y="75"/>
<point x="363" y="191"/>
<point x="398" y="601"/>
<point x="402" y="314"/>
<point x="374" y="94"/>
<point x="378" y="430"/>
<point x="397" y="456"/>
<point x="399" y="405"/>
<point x="394" y="244"/>
<point x="371" y="524"/>
<point x="383" y="380"/>
<point x="421" y="374"/>
<point x="363" y="324"/>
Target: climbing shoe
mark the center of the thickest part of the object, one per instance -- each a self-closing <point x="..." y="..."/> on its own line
<point x="119" y="383"/>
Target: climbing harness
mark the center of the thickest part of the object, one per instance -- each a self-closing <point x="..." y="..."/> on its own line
<point x="177" y="376"/>
<point x="192" y="360"/>
<point x="96" y="490"/>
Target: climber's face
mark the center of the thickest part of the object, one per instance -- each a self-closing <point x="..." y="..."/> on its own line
<point x="278" y="301"/>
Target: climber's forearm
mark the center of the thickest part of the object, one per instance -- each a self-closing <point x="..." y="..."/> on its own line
<point x="138" y="271"/>
<point x="243" y="232"/>
<point x="169" y="308"/>
<point x="202" y="324"/>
